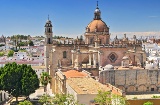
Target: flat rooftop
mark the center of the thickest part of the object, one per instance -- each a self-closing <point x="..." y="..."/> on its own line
<point x="38" y="67"/>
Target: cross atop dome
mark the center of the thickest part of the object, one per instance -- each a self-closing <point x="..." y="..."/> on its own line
<point x="97" y="13"/>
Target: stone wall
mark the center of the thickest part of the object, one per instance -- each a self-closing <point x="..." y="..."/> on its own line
<point x="132" y="81"/>
<point x="104" y="57"/>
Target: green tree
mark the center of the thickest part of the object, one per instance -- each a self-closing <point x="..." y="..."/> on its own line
<point x="18" y="80"/>
<point x="46" y="99"/>
<point x="64" y="99"/>
<point x="0" y="79"/>
<point x="22" y="44"/>
<point x="118" y="100"/>
<point x="10" y="53"/>
<point x="103" y="97"/>
<point x="2" y="54"/>
<point x="31" y="43"/>
<point x="2" y="45"/>
<point x="45" y="79"/>
<point x="25" y="103"/>
<point x="29" y="80"/>
<point x="58" y="99"/>
<point x="148" y="103"/>
<point x="106" y="98"/>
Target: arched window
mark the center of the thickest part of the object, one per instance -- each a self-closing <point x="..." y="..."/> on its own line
<point x="49" y="41"/>
<point x="91" y="41"/>
<point x="49" y="30"/>
<point x="100" y="41"/>
<point x="64" y="54"/>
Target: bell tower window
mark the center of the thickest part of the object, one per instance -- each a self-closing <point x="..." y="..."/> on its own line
<point x="49" y="30"/>
<point x="64" y="54"/>
<point x="49" y="41"/>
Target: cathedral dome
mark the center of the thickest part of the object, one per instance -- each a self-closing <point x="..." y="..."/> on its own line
<point x="125" y="58"/>
<point x="108" y="67"/>
<point x="97" y="11"/>
<point x="97" y="26"/>
<point x="149" y="67"/>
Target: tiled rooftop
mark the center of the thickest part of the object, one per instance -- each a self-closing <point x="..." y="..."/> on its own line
<point x="74" y="73"/>
<point x="86" y="85"/>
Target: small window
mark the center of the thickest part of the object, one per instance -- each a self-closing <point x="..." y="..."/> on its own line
<point x="64" y="54"/>
<point x="112" y="57"/>
<point x="152" y="89"/>
<point x="49" y="41"/>
<point x="100" y="41"/>
<point x="49" y="30"/>
<point x="91" y="41"/>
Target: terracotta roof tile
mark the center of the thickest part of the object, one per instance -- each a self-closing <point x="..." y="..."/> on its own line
<point x="74" y="73"/>
<point x="87" y="85"/>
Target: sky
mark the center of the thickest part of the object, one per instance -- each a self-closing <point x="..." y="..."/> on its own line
<point x="70" y="17"/>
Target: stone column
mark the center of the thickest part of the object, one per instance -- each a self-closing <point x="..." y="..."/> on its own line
<point x="77" y="65"/>
<point x="96" y="45"/>
<point x="98" y="58"/>
<point x="87" y="40"/>
<point x="72" y="58"/>
<point x="94" y="59"/>
<point x="79" y="61"/>
<point x="90" y="58"/>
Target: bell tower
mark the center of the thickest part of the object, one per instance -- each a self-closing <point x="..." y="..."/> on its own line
<point x="48" y="42"/>
<point x="48" y="32"/>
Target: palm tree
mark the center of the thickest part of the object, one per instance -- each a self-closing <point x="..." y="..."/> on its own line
<point x="45" y="79"/>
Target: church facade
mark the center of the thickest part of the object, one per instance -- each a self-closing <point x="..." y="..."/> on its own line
<point x="92" y="53"/>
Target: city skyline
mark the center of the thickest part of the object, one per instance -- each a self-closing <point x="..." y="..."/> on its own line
<point x="70" y="17"/>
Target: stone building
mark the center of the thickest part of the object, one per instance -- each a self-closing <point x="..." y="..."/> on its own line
<point x="96" y="50"/>
<point x="135" y="81"/>
<point x="81" y="86"/>
<point x="2" y="39"/>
